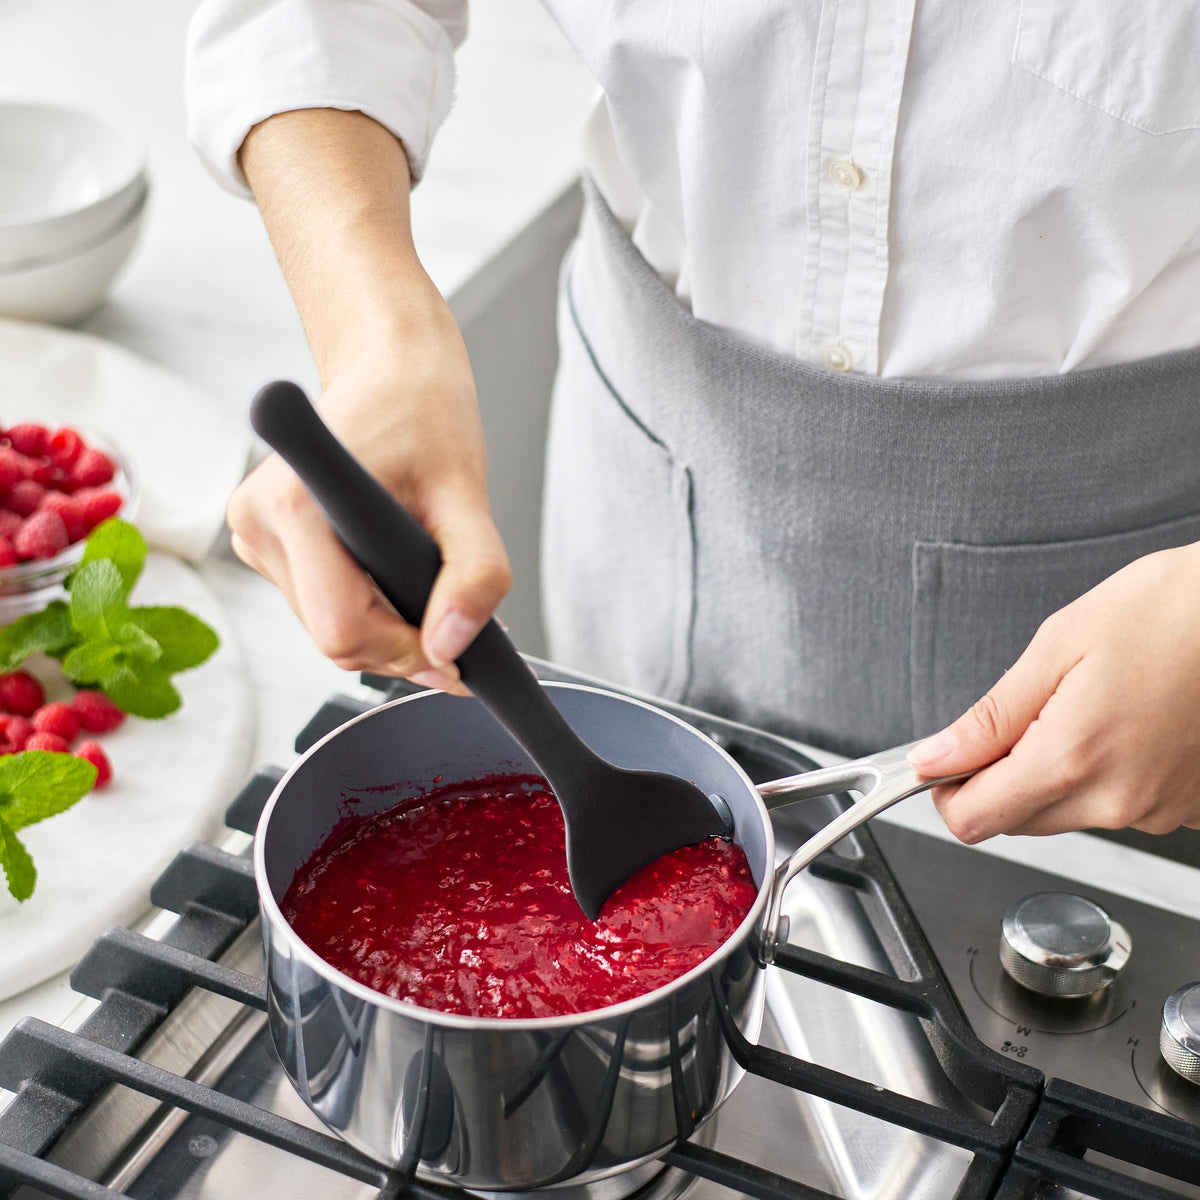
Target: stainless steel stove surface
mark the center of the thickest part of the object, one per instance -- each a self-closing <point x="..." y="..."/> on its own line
<point x="898" y="1058"/>
<point x="1107" y="1040"/>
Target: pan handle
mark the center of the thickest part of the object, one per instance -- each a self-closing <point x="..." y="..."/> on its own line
<point x="883" y="779"/>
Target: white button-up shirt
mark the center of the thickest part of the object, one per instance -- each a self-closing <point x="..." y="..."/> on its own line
<point x="883" y="186"/>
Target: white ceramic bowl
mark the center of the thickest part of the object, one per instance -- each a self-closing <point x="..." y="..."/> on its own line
<point x="67" y="179"/>
<point x="67" y="289"/>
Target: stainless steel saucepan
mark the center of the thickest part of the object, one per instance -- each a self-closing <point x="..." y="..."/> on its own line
<point x="494" y="1104"/>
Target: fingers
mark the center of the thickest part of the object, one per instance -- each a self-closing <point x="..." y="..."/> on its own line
<point x="348" y="620"/>
<point x="279" y="531"/>
<point x="1033" y="779"/>
<point x="474" y="578"/>
<point x="993" y="725"/>
<point x="1096" y="804"/>
<point x="1059" y="763"/>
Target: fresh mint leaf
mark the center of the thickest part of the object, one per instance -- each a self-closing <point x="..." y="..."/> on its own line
<point x="186" y="640"/>
<point x="98" y="605"/>
<point x="130" y="654"/>
<point x="92" y="662"/>
<point x="46" y="632"/>
<point x="128" y="673"/>
<point x="19" y="871"/>
<point x="136" y="643"/>
<point x="120" y="542"/>
<point x="143" y="689"/>
<point x="36" y="784"/>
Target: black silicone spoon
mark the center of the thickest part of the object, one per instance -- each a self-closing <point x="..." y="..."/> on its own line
<point x="617" y="820"/>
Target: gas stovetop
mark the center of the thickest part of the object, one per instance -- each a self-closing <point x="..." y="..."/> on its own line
<point x="898" y="1058"/>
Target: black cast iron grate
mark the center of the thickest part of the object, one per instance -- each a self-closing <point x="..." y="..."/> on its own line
<point x="1036" y="1134"/>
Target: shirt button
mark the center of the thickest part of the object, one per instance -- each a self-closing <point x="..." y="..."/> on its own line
<point x="846" y="175"/>
<point x="837" y="357"/>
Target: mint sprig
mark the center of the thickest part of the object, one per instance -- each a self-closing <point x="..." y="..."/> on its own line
<point x="129" y="653"/>
<point x="34" y="785"/>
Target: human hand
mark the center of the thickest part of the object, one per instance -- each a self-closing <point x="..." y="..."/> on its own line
<point x="1097" y="724"/>
<point x="332" y="187"/>
<point x="409" y="414"/>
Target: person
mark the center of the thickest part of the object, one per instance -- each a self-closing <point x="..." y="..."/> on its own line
<point x="876" y="414"/>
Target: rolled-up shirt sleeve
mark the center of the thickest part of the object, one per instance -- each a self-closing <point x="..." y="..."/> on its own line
<point x="250" y="59"/>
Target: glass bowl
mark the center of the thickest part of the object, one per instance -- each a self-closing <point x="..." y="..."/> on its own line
<point x="29" y="586"/>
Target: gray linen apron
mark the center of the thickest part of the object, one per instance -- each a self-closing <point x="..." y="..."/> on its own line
<point x="844" y="559"/>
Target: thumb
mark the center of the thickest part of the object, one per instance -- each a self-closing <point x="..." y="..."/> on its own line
<point x="993" y="725"/>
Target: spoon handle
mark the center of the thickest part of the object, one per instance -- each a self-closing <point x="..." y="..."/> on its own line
<point x="403" y="560"/>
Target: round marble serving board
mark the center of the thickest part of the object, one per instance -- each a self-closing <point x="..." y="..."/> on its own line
<point x="172" y="780"/>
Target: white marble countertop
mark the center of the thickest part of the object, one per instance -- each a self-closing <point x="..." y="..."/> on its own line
<point x="202" y="297"/>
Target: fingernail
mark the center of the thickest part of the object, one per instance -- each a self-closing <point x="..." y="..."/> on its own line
<point x="933" y="748"/>
<point x="430" y="677"/>
<point x="450" y="639"/>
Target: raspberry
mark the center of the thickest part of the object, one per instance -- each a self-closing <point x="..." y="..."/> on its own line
<point x="96" y="712"/>
<point x="57" y="718"/>
<point x="20" y="693"/>
<point x="43" y="471"/>
<point x="8" y="556"/>
<point x="68" y="509"/>
<point x="15" y="730"/>
<point x="48" y="741"/>
<point x="92" y="468"/>
<point x="11" y="467"/>
<point x="28" y="439"/>
<point x="52" y="472"/>
<point x="63" y="447"/>
<point x="94" y="753"/>
<point x="25" y="497"/>
<point x="42" y="536"/>
<point x="93" y="505"/>
<point x="54" y="476"/>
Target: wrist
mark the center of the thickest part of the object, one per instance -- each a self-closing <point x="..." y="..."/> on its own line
<point x="393" y="318"/>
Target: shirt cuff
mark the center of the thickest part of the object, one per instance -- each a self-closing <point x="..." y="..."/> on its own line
<point x="250" y="59"/>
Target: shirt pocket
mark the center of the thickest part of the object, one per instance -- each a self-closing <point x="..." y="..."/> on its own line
<point x="618" y="557"/>
<point x="1135" y="61"/>
<point x="975" y="608"/>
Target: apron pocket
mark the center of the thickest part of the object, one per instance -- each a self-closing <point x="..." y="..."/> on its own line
<point x="618" y="551"/>
<point x="975" y="608"/>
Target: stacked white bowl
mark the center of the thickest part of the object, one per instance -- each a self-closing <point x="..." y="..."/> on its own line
<point x="72" y="192"/>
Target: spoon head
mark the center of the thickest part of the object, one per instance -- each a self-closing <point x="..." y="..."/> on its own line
<point x="619" y="820"/>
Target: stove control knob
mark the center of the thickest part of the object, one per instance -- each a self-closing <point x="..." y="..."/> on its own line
<point x="1061" y="944"/>
<point x="1179" y="1037"/>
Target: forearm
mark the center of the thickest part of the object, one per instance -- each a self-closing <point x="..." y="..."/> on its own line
<point x="333" y="191"/>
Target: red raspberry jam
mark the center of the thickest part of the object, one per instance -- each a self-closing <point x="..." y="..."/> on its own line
<point x="459" y="901"/>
